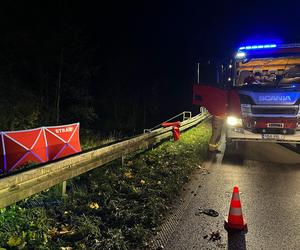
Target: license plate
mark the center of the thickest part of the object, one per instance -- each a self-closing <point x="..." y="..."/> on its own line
<point x="272" y="137"/>
<point x="275" y="125"/>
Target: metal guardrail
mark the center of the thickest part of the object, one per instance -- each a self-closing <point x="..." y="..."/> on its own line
<point x="22" y="185"/>
<point x="185" y="115"/>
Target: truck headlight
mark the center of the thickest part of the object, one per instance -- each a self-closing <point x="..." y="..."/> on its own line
<point x="234" y="121"/>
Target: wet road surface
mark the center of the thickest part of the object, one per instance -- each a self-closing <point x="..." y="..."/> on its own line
<point x="268" y="177"/>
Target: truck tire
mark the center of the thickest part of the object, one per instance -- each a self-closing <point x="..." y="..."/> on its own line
<point x="298" y="148"/>
<point x="234" y="151"/>
<point x="232" y="148"/>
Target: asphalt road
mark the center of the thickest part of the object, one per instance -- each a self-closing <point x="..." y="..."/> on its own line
<point x="268" y="178"/>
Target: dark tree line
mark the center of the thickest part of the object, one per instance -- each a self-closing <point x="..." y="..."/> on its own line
<point x="61" y="80"/>
<point x="31" y="69"/>
<point x="58" y="67"/>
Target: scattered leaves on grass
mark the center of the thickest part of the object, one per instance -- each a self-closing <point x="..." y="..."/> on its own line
<point x="128" y="175"/>
<point x="14" y="241"/>
<point x="94" y="205"/>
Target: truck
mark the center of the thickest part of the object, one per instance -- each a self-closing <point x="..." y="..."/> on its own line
<point x="259" y="91"/>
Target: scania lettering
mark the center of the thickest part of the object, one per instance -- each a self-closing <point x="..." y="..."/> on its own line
<point x="274" y="98"/>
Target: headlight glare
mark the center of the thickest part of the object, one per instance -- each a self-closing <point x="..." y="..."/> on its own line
<point x="234" y="121"/>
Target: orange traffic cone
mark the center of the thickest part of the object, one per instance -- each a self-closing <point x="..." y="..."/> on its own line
<point x="235" y="220"/>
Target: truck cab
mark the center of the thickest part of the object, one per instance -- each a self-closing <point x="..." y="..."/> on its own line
<point x="261" y="95"/>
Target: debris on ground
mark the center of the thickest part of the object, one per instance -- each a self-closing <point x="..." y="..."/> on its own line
<point x="209" y="212"/>
<point x="215" y="236"/>
<point x="205" y="172"/>
<point x="221" y="245"/>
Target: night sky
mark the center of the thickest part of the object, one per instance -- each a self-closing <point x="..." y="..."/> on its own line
<point x="152" y="43"/>
<point x="165" y="33"/>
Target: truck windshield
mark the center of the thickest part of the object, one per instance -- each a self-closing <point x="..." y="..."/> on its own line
<point x="268" y="71"/>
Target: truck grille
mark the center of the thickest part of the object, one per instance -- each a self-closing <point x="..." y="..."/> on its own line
<point x="275" y="110"/>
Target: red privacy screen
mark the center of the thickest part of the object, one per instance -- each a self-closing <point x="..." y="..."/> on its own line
<point x="19" y="148"/>
<point x="62" y="140"/>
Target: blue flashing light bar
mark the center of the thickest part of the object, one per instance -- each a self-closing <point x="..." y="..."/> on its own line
<point x="261" y="46"/>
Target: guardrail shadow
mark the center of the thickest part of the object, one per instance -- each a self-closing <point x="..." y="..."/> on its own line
<point x="237" y="241"/>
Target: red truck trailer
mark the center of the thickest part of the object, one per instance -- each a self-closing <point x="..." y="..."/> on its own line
<point x="260" y="95"/>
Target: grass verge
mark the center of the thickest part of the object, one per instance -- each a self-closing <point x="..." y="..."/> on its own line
<point x="113" y="207"/>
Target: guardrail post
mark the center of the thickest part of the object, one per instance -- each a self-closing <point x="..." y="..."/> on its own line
<point x="64" y="189"/>
<point x="201" y="110"/>
<point x="187" y="115"/>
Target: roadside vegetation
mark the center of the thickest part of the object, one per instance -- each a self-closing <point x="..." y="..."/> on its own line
<point x="89" y="140"/>
<point x="113" y="207"/>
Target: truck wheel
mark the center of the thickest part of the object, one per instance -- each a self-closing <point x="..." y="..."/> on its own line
<point x="234" y="152"/>
<point x="298" y="148"/>
<point x="232" y="148"/>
